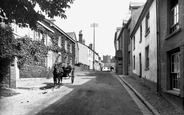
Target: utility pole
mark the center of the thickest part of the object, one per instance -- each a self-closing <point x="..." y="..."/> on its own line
<point x="94" y="25"/>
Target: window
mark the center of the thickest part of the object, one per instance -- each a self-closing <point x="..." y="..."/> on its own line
<point x="133" y="40"/>
<point x="59" y="41"/>
<point x="147" y="23"/>
<point x="66" y="44"/>
<point x="175" y="71"/>
<point x="134" y="61"/>
<point x="140" y="33"/>
<point x="128" y="36"/>
<point x="117" y="47"/>
<point x="71" y="48"/>
<point x="129" y="58"/>
<point x="71" y="61"/>
<point x="119" y="44"/>
<point x="174" y="16"/>
<point x="147" y="57"/>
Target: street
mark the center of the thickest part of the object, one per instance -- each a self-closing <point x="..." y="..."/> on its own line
<point x="93" y="93"/>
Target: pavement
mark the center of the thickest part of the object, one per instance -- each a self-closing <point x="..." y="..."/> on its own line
<point x="142" y="99"/>
<point x="25" y="85"/>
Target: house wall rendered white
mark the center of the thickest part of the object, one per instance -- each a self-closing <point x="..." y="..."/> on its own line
<point x="26" y="31"/>
<point x="90" y="58"/>
<point x="151" y="40"/>
<point x="83" y="54"/>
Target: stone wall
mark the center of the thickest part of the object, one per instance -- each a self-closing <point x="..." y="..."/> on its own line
<point x="30" y="71"/>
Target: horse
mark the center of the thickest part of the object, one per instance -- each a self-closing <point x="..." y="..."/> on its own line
<point x="61" y="71"/>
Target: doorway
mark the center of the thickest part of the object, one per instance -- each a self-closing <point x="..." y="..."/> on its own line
<point x="140" y="65"/>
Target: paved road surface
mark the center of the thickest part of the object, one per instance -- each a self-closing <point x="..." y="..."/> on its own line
<point x="93" y="93"/>
<point x="101" y="95"/>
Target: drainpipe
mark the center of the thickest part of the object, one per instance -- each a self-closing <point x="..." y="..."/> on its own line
<point x="158" y="47"/>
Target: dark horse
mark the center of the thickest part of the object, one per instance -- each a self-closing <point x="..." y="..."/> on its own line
<point x="61" y="71"/>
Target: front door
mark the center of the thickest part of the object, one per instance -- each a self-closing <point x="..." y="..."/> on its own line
<point x="175" y="71"/>
<point x="140" y="64"/>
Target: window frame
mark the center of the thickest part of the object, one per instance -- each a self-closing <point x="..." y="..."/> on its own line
<point x="174" y="18"/>
<point x="147" y="60"/>
<point x="129" y="58"/>
<point x="128" y="36"/>
<point x="174" y="86"/>
<point x="70" y="48"/>
<point x="140" y="33"/>
<point x="134" y="62"/>
<point x="59" y="41"/>
<point x="66" y="45"/>
<point x="133" y="40"/>
<point x="147" y="24"/>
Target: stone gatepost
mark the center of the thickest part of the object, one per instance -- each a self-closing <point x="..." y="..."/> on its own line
<point x="14" y="74"/>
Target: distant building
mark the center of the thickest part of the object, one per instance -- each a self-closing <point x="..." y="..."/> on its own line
<point x="107" y="59"/>
<point x="88" y="58"/>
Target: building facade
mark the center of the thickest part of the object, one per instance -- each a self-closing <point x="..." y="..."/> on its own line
<point x="123" y="44"/>
<point x="73" y="35"/>
<point x="155" y="48"/>
<point x="171" y="49"/>
<point x="118" y="52"/>
<point x="144" y="45"/>
<point x="88" y="58"/>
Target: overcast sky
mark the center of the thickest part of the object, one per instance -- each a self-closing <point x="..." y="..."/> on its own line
<point x="109" y="15"/>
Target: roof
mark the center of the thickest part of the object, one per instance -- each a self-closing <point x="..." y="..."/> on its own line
<point x="73" y="36"/>
<point x="141" y="16"/>
<point x="60" y="30"/>
<point x="46" y="26"/>
<point x="88" y="48"/>
<point x="135" y="5"/>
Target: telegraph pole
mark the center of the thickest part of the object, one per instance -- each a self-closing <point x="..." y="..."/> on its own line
<point x="94" y="25"/>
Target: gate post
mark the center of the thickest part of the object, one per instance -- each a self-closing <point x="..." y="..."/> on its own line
<point x="14" y="73"/>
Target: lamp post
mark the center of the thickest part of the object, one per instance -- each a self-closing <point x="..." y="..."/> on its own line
<point x="94" y="25"/>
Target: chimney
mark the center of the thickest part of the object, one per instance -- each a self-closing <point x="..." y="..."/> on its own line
<point x="90" y="46"/>
<point x="80" y="36"/>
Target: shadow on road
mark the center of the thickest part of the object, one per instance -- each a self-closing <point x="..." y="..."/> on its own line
<point x="7" y="92"/>
<point x="94" y="94"/>
<point x="48" y="86"/>
<point x="73" y="98"/>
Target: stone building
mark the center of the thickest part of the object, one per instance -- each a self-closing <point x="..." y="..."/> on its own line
<point x="171" y="49"/>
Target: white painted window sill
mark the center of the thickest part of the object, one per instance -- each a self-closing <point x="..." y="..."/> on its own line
<point x="173" y="92"/>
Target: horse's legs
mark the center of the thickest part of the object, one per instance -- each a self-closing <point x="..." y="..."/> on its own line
<point x="55" y="80"/>
<point x="60" y="78"/>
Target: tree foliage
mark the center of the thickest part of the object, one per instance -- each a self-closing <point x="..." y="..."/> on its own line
<point x="23" y="12"/>
<point x="8" y="43"/>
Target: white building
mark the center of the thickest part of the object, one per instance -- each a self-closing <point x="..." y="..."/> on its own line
<point x="144" y="44"/>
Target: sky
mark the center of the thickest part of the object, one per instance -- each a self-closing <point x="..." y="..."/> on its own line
<point x="108" y="14"/>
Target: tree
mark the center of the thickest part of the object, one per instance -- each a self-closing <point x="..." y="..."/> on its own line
<point x="22" y="12"/>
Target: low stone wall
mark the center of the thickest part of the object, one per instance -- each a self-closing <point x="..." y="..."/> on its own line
<point x="30" y="71"/>
<point x="77" y="68"/>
